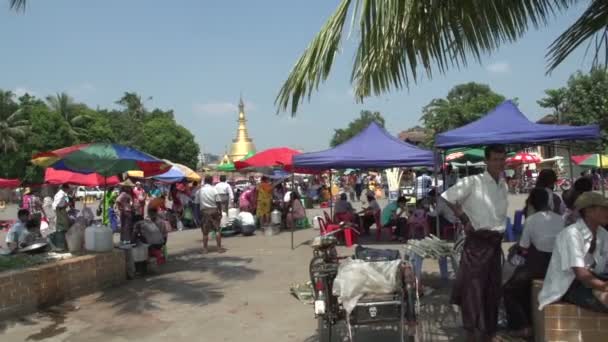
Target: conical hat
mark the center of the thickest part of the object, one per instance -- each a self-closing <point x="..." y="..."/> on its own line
<point x="127" y="183"/>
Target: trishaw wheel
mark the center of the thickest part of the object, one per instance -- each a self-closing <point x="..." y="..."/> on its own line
<point x="324" y="329"/>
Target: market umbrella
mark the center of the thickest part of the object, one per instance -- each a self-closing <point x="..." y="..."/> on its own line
<point x="9" y="183"/>
<point x="591" y="160"/>
<point x="190" y="174"/>
<point x="229" y="167"/>
<point x="281" y="157"/>
<point x="53" y="176"/>
<point x="465" y="155"/>
<point x="523" y="158"/>
<point x="176" y="173"/>
<point x="103" y="158"/>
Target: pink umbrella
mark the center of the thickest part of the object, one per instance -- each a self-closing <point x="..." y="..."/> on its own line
<point x="523" y="158"/>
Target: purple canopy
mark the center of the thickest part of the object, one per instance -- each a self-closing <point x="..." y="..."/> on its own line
<point x="373" y="147"/>
<point x="507" y="125"/>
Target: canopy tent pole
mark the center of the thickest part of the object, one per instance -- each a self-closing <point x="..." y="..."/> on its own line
<point x="437" y="159"/>
<point x="601" y="176"/>
<point x="570" y="163"/>
<point x="331" y="196"/>
<point x="293" y="190"/>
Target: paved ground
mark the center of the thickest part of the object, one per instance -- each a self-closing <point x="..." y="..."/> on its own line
<point x="242" y="294"/>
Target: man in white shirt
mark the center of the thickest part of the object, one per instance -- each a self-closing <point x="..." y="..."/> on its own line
<point x="577" y="269"/>
<point x="480" y="203"/>
<point x="211" y="213"/>
<point x="225" y="192"/>
<point x="60" y="206"/>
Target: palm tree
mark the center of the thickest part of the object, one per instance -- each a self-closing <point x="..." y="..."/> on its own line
<point x="13" y="126"/>
<point x="398" y="39"/>
<point x="64" y="105"/>
<point x="133" y="104"/>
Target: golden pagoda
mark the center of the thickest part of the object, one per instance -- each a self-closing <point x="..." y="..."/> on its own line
<point x="242" y="145"/>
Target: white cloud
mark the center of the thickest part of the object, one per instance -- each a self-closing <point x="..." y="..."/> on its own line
<point x="499" y="67"/>
<point x="221" y="108"/>
<point x="20" y="91"/>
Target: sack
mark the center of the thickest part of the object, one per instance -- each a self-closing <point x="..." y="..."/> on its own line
<point x="373" y="254"/>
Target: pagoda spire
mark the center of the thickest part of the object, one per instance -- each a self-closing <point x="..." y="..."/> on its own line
<point x="242" y="144"/>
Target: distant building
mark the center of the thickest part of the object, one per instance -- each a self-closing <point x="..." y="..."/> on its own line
<point x="416" y="135"/>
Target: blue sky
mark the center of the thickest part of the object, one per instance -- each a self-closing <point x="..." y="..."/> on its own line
<point x="197" y="56"/>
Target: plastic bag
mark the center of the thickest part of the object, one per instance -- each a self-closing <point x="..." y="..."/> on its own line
<point x="357" y="277"/>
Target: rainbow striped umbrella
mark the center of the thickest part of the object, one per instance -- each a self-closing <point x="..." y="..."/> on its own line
<point x="591" y="160"/>
<point x="103" y="158"/>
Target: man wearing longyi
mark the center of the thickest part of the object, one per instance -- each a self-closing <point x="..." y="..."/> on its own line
<point x="480" y="202"/>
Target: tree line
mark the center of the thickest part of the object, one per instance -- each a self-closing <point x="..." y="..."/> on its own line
<point x="582" y="101"/>
<point x="29" y="125"/>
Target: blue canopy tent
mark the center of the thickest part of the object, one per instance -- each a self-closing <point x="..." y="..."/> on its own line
<point x="373" y="147"/>
<point x="506" y="124"/>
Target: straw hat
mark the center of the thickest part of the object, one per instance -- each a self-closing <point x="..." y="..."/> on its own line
<point x="127" y="183"/>
<point x="590" y="199"/>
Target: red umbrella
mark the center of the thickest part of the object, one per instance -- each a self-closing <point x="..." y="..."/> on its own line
<point x="9" y="183"/>
<point x="273" y="157"/>
<point x="53" y="176"/>
<point x="523" y="158"/>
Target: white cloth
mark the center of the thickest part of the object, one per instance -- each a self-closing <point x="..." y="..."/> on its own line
<point x="287" y="197"/>
<point x="541" y="229"/>
<point x="572" y="250"/>
<point x="246" y="218"/>
<point x="225" y="191"/>
<point x="60" y="200"/>
<point x="208" y="197"/>
<point x="482" y="199"/>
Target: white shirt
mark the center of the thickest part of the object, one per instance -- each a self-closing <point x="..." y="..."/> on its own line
<point x="482" y="199"/>
<point x="571" y="250"/>
<point x="60" y="200"/>
<point x="208" y="197"/>
<point x="224" y="189"/>
<point x="541" y="229"/>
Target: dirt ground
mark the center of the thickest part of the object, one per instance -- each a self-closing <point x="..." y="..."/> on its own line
<point x="240" y="295"/>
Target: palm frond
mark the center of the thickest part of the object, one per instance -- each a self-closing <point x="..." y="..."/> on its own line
<point x="15" y="116"/>
<point x="316" y="61"/>
<point x="18" y="5"/>
<point x="592" y="23"/>
<point x="79" y="120"/>
<point x="400" y="38"/>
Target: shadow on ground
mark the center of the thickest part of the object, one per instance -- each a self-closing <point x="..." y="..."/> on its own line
<point x="180" y="280"/>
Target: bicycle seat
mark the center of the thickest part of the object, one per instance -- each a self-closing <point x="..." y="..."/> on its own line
<point x="375" y="254"/>
<point x="324" y="242"/>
